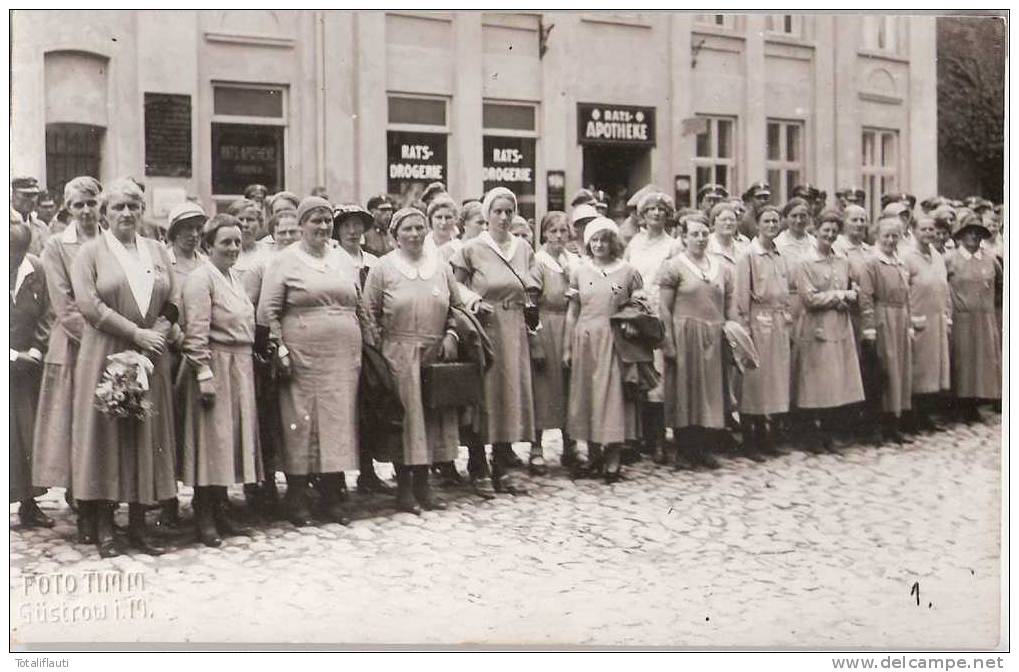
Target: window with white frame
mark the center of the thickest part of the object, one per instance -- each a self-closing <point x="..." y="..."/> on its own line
<point x="417" y="137"/>
<point x="509" y="146"/>
<point x="715" y="156"/>
<point x="249" y="124"/>
<point x="717" y="20"/>
<point x="880" y="166"/>
<point x="880" y="33"/>
<point x="784" y="158"/>
<point x="784" y="24"/>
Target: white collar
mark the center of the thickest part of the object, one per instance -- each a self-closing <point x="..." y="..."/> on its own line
<point x="487" y="239"/>
<point x="967" y="255"/>
<point x="757" y="248"/>
<point x="331" y="261"/>
<point x="232" y="280"/>
<point x="25" y="269"/>
<point x="173" y="255"/>
<point x="814" y="254"/>
<point x="70" y="234"/>
<point x="708" y="276"/>
<point x="423" y="270"/>
<point x="892" y="260"/>
<point x="140" y="271"/>
<point x="715" y="247"/>
<point x="544" y="257"/>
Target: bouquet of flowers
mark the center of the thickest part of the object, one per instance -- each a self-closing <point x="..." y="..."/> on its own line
<point x="123" y="390"/>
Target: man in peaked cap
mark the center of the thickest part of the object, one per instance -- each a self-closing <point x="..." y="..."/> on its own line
<point x="709" y="195"/>
<point x="850" y="196"/>
<point x="376" y="237"/>
<point x="755" y="197"/>
<point x="25" y="200"/>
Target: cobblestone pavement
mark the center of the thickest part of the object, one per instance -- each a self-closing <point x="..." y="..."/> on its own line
<point x="801" y="551"/>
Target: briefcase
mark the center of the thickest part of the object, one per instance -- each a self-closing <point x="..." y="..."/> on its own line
<point x="450" y="384"/>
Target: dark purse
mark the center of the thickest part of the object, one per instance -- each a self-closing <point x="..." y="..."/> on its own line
<point x="450" y="384"/>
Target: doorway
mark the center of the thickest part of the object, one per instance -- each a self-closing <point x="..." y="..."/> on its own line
<point x="619" y="171"/>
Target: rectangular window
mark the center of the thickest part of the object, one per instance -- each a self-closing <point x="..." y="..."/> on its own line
<point x="881" y="33"/>
<point x="715" y="159"/>
<point x="71" y="150"/>
<point x="416" y="142"/>
<point x="784" y="157"/>
<point x="249" y="126"/>
<point x="880" y="166"/>
<point x="509" y="147"/>
<point x="717" y="20"/>
<point x="784" y="24"/>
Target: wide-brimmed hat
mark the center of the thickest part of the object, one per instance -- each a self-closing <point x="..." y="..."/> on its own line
<point x="971" y="220"/>
<point x="349" y="210"/>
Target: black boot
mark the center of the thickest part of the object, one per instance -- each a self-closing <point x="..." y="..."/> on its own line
<point x="205" y="521"/>
<point x="405" y="491"/>
<point x="368" y="480"/>
<point x="478" y="469"/>
<point x="31" y="515"/>
<point x="613" y="464"/>
<point x="449" y="475"/>
<point x="813" y="439"/>
<point x="222" y="514"/>
<point x="106" y="541"/>
<point x="890" y="430"/>
<point x="296" y="500"/>
<point x="502" y="454"/>
<point x="768" y="443"/>
<point x="502" y="483"/>
<point x="423" y="490"/>
<point x="699" y="449"/>
<point x="137" y="534"/>
<point x="331" y="487"/>
<point x="86" y="522"/>
<point x="269" y="498"/>
<point x="751" y="430"/>
<point x="169" y="514"/>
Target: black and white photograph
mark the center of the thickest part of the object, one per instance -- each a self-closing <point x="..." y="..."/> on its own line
<point x="510" y="330"/>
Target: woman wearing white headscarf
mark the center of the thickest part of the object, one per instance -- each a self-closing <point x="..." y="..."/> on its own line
<point x="123" y="285"/>
<point x="500" y="268"/>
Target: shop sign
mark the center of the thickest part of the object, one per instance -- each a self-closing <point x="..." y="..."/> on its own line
<point x="509" y="162"/>
<point x="615" y="125"/>
<point x="244" y="154"/>
<point x="414" y="158"/>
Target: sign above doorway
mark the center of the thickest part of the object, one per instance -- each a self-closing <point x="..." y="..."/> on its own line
<point x="599" y="124"/>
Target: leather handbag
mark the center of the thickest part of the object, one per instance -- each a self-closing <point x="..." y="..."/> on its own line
<point x="450" y="384"/>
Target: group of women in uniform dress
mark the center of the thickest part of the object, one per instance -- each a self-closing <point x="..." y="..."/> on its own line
<point x="301" y="302"/>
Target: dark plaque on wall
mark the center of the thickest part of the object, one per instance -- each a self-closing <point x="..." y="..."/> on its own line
<point x="167" y="135"/>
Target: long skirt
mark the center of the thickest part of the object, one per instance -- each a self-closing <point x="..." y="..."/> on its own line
<point x="976" y="355"/>
<point x="318" y="405"/>
<point x="932" y="370"/>
<point x="549" y="377"/>
<point x="429" y="435"/>
<point x="895" y="357"/>
<point x="24" y="390"/>
<point x="508" y="392"/>
<point x="599" y="409"/>
<point x="694" y="391"/>
<point x="51" y="453"/>
<point x="827" y="369"/>
<point x="219" y="444"/>
<point x="766" y="388"/>
<point x="121" y="459"/>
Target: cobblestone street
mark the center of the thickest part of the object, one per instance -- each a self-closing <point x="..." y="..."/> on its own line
<point x="801" y="551"/>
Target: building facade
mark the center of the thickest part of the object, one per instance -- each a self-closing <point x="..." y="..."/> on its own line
<point x="204" y="102"/>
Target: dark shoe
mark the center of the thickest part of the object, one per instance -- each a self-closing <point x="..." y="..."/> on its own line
<point x="332" y="489"/>
<point x="482" y="486"/>
<point x="32" y="516"/>
<point x="268" y="499"/>
<point x="536" y="465"/>
<point x="925" y="423"/>
<point x="221" y="513"/>
<point x="137" y="535"/>
<point x="205" y="521"/>
<point x="630" y="455"/>
<point x="72" y="503"/>
<point x="423" y="490"/>
<point x="296" y="501"/>
<point x="405" y="501"/>
<point x="504" y="455"/>
<point x="569" y="458"/>
<point x="370" y="482"/>
<point x="753" y="454"/>
<point x="169" y="514"/>
<point x="106" y="541"/>
<point x="449" y="475"/>
<point x="86" y="522"/>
